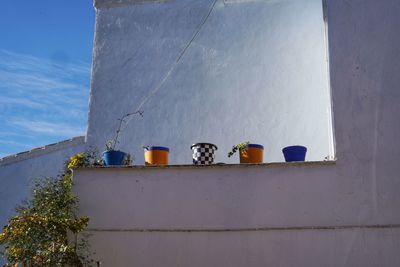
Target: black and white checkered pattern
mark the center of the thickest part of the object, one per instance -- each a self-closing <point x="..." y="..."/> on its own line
<point x="203" y="153"/>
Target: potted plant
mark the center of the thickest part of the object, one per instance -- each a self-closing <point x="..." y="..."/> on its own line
<point x="294" y="153"/>
<point x="156" y="155"/>
<point x="112" y="157"/>
<point x="117" y="157"/>
<point x="248" y="153"/>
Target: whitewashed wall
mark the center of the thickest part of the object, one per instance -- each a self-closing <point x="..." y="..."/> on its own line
<point x="270" y="215"/>
<point x="223" y="73"/>
<point x="17" y="172"/>
<point x="346" y="214"/>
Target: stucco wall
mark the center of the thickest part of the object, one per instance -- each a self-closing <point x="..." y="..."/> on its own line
<point x="291" y="248"/>
<point x="346" y="214"/>
<point x="223" y="73"/>
<point x="234" y="215"/>
<point x="17" y="172"/>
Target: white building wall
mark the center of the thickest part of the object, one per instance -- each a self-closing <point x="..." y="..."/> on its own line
<point x="223" y="73"/>
<point x="307" y="214"/>
<point x="262" y="248"/>
<point x="342" y="214"/>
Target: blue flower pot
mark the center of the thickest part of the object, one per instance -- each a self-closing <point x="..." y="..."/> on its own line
<point x="113" y="157"/>
<point x="294" y="153"/>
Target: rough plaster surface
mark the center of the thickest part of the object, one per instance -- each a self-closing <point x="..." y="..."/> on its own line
<point x="212" y="71"/>
<point x="361" y="189"/>
<point x="239" y="216"/>
<point x="229" y="198"/>
<point x="289" y="248"/>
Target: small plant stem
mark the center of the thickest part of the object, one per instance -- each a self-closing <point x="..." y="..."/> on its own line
<point x="122" y="120"/>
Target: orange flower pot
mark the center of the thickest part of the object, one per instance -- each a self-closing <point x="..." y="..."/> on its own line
<point x="156" y="155"/>
<point x="253" y="153"/>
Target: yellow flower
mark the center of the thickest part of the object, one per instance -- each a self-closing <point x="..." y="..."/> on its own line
<point x="77" y="160"/>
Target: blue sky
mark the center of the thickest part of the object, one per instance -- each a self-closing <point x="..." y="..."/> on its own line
<point x="45" y="61"/>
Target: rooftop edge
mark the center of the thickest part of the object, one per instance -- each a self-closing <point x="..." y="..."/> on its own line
<point x="39" y="151"/>
<point x="216" y="165"/>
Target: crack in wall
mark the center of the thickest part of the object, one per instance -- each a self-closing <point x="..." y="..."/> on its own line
<point x="176" y="62"/>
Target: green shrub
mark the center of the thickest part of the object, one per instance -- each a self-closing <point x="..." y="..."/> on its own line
<point x="41" y="233"/>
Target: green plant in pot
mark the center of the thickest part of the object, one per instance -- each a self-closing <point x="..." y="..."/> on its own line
<point x="248" y="153"/>
<point x="111" y="156"/>
<point x="237" y="147"/>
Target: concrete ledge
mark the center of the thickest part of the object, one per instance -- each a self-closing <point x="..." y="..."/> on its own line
<point x="39" y="151"/>
<point x="216" y="165"/>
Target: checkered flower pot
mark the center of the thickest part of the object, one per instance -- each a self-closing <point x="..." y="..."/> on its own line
<point x="203" y="153"/>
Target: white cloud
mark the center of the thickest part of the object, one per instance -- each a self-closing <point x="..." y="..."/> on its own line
<point x="41" y="99"/>
<point x="38" y="83"/>
<point x="4" y="100"/>
<point x="13" y="143"/>
<point x="49" y="128"/>
<point x="21" y="62"/>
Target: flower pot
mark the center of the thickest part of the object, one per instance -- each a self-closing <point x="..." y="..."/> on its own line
<point x="203" y="153"/>
<point x="113" y="157"/>
<point x="253" y="153"/>
<point x="156" y="155"/>
<point x="294" y="153"/>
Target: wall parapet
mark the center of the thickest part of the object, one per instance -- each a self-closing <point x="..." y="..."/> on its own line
<point x="39" y="151"/>
<point x="278" y="207"/>
<point x="213" y="166"/>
